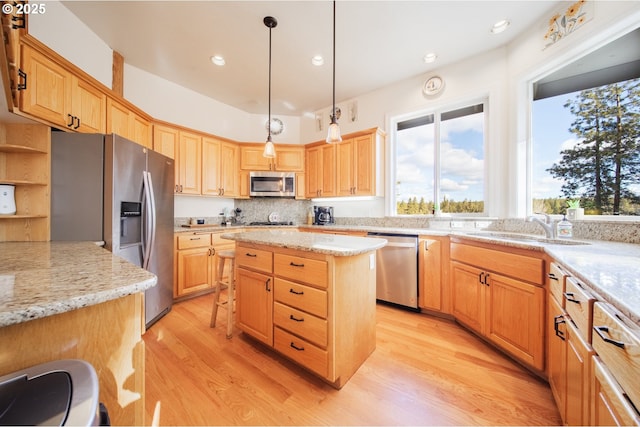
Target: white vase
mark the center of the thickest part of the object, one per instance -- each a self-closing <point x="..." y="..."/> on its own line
<point x="575" y="213"/>
<point x="7" y="199"/>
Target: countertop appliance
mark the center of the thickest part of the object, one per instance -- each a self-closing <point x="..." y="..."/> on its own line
<point x="61" y="392"/>
<point x="272" y="184"/>
<point x="397" y="270"/>
<point x="105" y="188"/>
<point x="323" y="215"/>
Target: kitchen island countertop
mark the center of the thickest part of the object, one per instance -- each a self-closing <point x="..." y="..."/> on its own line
<point x="329" y="244"/>
<point x="40" y="279"/>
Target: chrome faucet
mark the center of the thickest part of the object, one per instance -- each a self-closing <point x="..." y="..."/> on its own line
<point x="547" y="224"/>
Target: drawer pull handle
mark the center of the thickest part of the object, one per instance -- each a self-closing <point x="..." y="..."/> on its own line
<point x="296" y="292"/>
<point x="553" y="277"/>
<point x="293" y="345"/>
<point x="569" y="297"/>
<point x="266" y="285"/>
<point x="600" y="329"/>
<point x="195" y="238"/>
<point x="293" y="264"/>
<point x="295" y="319"/>
<point x="557" y="321"/>
<point x="251" y="255"/>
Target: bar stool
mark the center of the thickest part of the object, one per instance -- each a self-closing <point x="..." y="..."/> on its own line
<point x="229" y="284"/>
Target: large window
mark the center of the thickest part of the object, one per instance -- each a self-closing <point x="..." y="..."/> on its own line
<point x="439" y="162"/>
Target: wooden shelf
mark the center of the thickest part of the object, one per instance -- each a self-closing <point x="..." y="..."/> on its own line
<point x="11" y="148"/>
<point x="20" y="182"/>
<point x="19" y="216"/>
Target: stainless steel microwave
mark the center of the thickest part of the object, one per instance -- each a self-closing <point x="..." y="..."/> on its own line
<point x="272" y="184"/>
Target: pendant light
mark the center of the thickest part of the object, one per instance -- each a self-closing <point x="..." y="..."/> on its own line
<point x="269" y="149"/>
<point x="334" y="130"/>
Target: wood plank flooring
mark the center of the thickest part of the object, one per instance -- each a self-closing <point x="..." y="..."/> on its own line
<point x="424" y="371"/>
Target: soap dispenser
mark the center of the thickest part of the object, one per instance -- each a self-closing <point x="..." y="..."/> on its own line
<point x="565" y="228"/>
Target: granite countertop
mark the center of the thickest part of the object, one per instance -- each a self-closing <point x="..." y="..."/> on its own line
<point x="329" y="244"/>
<point x="40" y="279"/>
<point x="210" y="228"/>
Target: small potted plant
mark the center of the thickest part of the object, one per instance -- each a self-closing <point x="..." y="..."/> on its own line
<point x="574" y="211"/>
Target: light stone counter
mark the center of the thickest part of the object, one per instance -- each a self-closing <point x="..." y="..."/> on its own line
<point x="328" y="244"/>
<point x="40" y="279"/>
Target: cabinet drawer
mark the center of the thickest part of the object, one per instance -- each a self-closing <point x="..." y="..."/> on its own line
<point x="255" y="259"/>
<point x="303" y="324"/>
<point x="302" y="297"/>
<point x="514" y="265"/>
<point x="188" y="241"/>
<point x="617" y="341"/>
<point x="302" y="352"/>
<point x="311" y="271"/>
<point x="557" y="283"/>
<point x="579" y="306"/>
<point x="610" y="407"/>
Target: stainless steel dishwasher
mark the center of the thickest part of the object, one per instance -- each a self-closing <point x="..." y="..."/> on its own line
<point x="397" y="270"/>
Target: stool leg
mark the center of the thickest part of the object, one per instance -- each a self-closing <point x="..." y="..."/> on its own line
<point x="230" y="297"/>
<point x="216" y="299"/>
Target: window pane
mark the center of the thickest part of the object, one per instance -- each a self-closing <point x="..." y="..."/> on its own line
<point x="415" y="166"/>
<point x="462" y="161"/>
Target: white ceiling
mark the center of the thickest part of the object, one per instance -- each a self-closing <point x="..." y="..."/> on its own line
<point x="378" y="43"/>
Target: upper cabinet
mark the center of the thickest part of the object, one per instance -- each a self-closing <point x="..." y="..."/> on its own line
<point x="166" y="140"/>
<point x="128" y="123"/>
<point x="189" y="164"/>
<point x="52" y="93"/>
<point x="289" y="158"/>
<point x="220" y="168"/>
<point x="356" y="169"/>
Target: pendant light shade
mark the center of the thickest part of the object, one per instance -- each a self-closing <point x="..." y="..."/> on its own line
<point x="269" y="148"/>
<point x="334" y="129"/>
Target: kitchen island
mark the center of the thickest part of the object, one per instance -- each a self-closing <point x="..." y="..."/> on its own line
<point x="310" y="296"/>
<point x="75" y="300"/>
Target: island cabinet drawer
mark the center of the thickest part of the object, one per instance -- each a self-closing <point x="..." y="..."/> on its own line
<point x="301" y="351"/>
<point x="617" y="341"/>
<point x="188" y="241"/>
<point x="557" y="282"/>
<point x="256" y="259"/>
<point x="300" y="269"/>
<point x="514" y="265"/>
<point x="300" y="296"/>
<point x="579" y="306"/>
<point x="303" y="324"/>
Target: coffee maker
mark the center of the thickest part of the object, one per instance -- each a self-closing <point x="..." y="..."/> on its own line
<point x="323" y="215"/>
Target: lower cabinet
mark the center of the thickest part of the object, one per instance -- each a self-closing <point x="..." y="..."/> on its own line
<point x="500" y="296"/>
<point x="317" y="310"/>
<point x="433" y="279"/>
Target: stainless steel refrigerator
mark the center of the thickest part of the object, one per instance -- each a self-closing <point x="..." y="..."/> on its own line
<point x="105" y="188"/>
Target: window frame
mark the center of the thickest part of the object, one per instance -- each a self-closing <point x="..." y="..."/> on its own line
<point x="437" y="110"/>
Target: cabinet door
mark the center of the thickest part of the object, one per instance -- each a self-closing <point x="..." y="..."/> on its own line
<point x="48" y="92"/>
<point x="345" y="185"/>
<point x="211" y="161"/>
<point x="166" y="141"/>
<point x="468" y="295"/>
<point x="313" y="172"/>
<point x="194" y="270"/>
<point x="118" y="119"/>
<point x="140" y="130"/>
<point x="430" y="280"/>
<point x="251" y="158"/>
<point x="578" y="378"/>
<point x="557" y="355"/>
<point x="515" y="318"/>
<point x="88" y="106"/>
<point x="190" y="163"/>
<point x="609" y="404"/>
<point x="229" y="178"/>
<point x="364" y="153"/>
<point x="254" y="306"/>
<point x="328" y="170"/>
<point x="289" y="159"/>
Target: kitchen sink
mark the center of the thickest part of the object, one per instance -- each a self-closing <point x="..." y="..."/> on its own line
<point x="517" y="237"/>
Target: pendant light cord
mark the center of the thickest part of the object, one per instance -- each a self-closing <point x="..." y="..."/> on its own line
<point x="333" y="116"/>
<point x="269" y="123"/>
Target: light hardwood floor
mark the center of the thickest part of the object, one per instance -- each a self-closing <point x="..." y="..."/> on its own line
<point x="424" y="371"/>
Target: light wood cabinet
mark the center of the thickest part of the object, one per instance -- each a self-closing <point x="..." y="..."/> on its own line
<point x="189" y="164"/>
<point x="289" y="158"/>
<point x="57" y="96"/>
<point x="166" y="140"/>
<point x="197" y="263"/>
<point x="578" y="353"/>
<point x="506" y="309"/>
<point x="433" y="279"/>
<point x="320" y="166"/>
<point x="318" y="310"/>
<point x="220" y="168"/>
<point x="25" y="162"/>
<point x="124" y="121"/>
<point x="359" y="165"/>
<point x="610" y="406"/>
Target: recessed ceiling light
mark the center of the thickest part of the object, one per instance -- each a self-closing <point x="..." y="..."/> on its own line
<point x="317" y="60"/>
<point x="500" y="26"/>
<point x="218" y="60"/>
<point x="429" y="57"/>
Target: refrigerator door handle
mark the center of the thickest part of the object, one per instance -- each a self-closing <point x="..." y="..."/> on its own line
<point x="152" y="213"/>
<point x="147" y="228"/>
